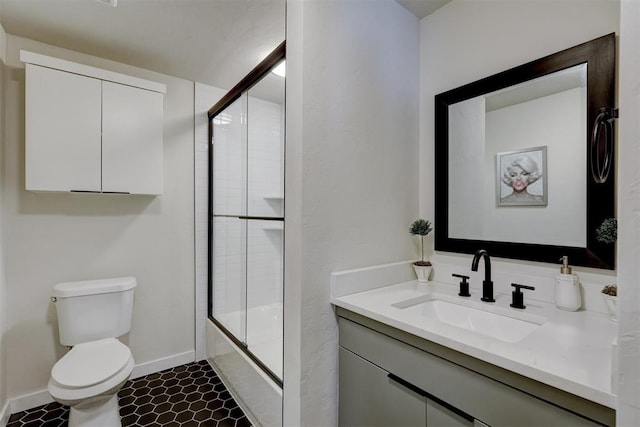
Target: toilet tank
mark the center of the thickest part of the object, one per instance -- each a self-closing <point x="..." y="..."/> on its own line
<point x="91" y="310"/>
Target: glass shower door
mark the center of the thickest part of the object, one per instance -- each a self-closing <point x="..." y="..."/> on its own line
<point x="265" y="200"/>
<point x="248" y="221"/>
<point x="229" y="293"/>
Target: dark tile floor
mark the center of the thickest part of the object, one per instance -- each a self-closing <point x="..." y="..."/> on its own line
<point x="188" y="395"/>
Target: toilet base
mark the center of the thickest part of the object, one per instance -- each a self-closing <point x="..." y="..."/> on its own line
<point x="96" y="412"/>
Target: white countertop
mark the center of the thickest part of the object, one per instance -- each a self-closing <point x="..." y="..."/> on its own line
<point x="571" y="351"/>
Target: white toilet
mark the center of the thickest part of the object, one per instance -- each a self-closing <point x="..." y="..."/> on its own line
<point x="91" y="315"/>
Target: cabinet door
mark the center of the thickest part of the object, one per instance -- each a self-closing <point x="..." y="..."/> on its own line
<point x="367" y="397"/>
<point x="440" y="416"/>
<point x="62" y="131"/>
<point x="131" y="139"/>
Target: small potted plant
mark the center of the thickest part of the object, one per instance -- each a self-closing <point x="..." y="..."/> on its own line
<point x="610" y="295"/>
<point x="608" y="233"/>
<point x="422" y="228"/>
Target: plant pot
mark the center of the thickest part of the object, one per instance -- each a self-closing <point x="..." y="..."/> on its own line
<point x="423" y="272"/>
<point x="612" y="305"/>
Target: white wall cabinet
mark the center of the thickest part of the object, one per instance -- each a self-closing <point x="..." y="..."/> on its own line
<point x="131" y="139"/>
<point x="89" y="130"/>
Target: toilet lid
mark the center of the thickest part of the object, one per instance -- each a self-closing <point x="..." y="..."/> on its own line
<point x="91" y="363"/>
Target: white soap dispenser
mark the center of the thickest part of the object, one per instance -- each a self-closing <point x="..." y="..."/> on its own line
<point x="567" y="290"/>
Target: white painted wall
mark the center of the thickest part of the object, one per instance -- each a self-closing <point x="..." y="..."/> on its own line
<point x="629" y="215"/>
<point x="352" y="173"/>
<point x="467" y="40"/>
<point x="51" y="238"/>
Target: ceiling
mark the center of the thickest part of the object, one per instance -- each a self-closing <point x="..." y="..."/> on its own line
<point x="210" y="41"/>
<point x="216" y="42"/>
<point x="422" y="8"/>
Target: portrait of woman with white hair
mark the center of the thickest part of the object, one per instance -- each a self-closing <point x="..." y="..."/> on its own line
<point x="522" y="178"/>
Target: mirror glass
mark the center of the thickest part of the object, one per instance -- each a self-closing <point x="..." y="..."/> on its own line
<point x="513" y="158"/>
<point x="501" y="186"/>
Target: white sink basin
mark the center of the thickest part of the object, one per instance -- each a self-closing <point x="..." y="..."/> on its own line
<point x="503" y="324"/>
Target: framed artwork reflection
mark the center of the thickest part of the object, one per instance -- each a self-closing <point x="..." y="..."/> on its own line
<point x="521" y="177"/>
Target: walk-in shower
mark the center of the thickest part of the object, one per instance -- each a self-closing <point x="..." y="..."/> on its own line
<point x="246" y="223"/>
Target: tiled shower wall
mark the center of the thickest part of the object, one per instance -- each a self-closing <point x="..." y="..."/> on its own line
<point x="265" y="158"/>
<point x="265" y="198"/>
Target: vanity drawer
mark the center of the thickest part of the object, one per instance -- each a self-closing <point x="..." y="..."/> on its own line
<point x="368" y="397"/>
<point x="490" y="401"/>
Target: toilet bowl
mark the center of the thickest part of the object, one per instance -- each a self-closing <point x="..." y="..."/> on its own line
<point x="88" y="378"/>
<point x="91" y="315"/>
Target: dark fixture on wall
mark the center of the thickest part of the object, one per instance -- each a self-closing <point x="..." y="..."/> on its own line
<point x="601" y="146"/>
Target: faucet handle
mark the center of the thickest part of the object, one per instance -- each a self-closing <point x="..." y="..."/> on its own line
<point x="518" y="296"/>
<point x="464" y="285"/>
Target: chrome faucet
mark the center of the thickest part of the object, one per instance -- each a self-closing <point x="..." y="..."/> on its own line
<point x="487" y="284"/>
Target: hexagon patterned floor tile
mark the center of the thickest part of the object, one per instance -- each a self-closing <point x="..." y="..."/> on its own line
<point x="188" y="395"/>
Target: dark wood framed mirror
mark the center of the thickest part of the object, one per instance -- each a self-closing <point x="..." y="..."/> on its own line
<point x="524" y="159"/>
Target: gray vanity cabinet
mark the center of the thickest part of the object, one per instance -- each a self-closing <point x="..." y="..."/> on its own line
<point x="388" y="377"/>
<point x="370" y="396"/>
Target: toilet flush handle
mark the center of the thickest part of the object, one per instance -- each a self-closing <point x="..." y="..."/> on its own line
<point x="54" y="299"/>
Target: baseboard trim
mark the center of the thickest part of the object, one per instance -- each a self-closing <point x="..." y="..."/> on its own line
<point x="4" y="415"/>
<point x="29" y="401"/>
<point x="42" y="397"/>
<point x="164" y="363"/>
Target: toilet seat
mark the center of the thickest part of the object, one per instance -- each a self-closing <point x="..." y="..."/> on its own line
<point x="91" y="363"/>
<point x="91" y="369"/>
